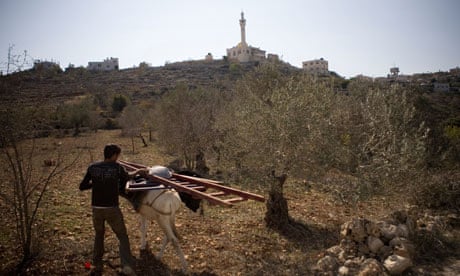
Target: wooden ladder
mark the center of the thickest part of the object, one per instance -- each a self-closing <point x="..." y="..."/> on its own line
<point x="201" y="188"/>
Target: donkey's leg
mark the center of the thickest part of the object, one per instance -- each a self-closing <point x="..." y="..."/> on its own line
<point x="167" y="224"/>
<point x="176" y="245"/>
<point x="143" y="232"/>
<point x="163" y="247"/>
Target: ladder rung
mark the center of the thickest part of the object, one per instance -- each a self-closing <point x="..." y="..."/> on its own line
<point x="218" y="194"/>
<point x="235" y="199"/>
<point x="200" y="188"/>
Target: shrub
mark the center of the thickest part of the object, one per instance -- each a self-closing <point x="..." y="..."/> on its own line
<point x="119" y="103"/>
<point x="438" y="191"/>
<point x="111" y="124"/>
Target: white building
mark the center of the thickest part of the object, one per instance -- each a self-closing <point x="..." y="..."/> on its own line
<point x="316" y="66"/>
<point x="109" y="64"/>
<point x="243" y="52"/>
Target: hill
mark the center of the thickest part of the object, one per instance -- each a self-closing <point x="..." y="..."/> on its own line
<point x="51" y="87"/>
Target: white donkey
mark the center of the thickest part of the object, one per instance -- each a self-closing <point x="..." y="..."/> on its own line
<point x="161" y="205"/>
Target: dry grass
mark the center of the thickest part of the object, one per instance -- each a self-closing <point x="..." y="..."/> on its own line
<point x="224" y="241"/>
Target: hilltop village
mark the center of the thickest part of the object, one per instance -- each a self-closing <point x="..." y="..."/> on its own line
<point x="244" y="54"/>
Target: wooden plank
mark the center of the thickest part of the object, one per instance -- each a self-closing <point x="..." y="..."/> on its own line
<point x="221" y="187"/>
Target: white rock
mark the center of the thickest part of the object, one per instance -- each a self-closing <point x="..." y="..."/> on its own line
<point x="396" y="264"/>
<point x="343" y="271"/>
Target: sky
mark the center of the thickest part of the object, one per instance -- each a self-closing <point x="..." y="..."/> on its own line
<point x="355" y="36"/>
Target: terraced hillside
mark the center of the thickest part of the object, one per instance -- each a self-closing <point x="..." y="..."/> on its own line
<point x="46" y="87"/>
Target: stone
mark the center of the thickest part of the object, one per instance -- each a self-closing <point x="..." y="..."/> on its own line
<point x="334" y="251"/>
<point x="328" y="264"/>
<point x="384" y="252"/>
<point x="402" y="231"/>
<point x="373" y="229"/>
<point x="355" y="229"/>
<point x="389" y="231"/>
<point x="349" y="247"/>
<point x="371" y="267"/>
<point x="343" y="271"/>
<point x="363" y="249"/>
<point x="374" y="244"/>
<point x="396" y="264"/>
<point x="358" y="230"/>
<point x="403" y="247"/>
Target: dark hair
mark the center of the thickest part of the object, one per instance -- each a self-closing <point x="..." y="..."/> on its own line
<point x="110" y="150"/>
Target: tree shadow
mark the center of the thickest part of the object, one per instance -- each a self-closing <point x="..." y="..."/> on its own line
<point x="308" y="236"/>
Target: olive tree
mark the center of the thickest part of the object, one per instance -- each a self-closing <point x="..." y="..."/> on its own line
<point x="268" y="127"/>
<point x="76" y="113"/>
<point x="131" y="121"/>
<point x="184" y="122"/>
<point x="388" y="140"/>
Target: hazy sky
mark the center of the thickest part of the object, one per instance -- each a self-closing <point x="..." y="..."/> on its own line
<point x="355" y="36"/>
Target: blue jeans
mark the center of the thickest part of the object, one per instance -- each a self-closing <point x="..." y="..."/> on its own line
<point x="114" y="218"/>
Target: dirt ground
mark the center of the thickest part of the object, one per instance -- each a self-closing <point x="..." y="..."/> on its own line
<point x="222" y="241"/>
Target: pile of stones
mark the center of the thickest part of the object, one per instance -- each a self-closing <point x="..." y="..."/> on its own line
<point x="371" y="247"/>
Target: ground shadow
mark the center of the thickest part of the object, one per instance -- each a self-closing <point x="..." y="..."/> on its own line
<point x="307" y="236"/>
<point x="147" y="264"/>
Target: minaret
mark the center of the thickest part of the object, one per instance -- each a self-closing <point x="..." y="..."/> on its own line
<point x="243" y="29"/>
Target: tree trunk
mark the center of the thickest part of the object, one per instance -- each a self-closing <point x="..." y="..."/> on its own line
<point x="277" y="215"/>
<point x="76" y="130"/>
<point x="143" y="140"/>
<point x="132" y="142"/>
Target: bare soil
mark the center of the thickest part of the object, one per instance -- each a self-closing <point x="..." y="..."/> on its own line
<point x="222" y="241"/>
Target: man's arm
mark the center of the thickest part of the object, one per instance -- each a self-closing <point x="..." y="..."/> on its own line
<point x="141" y="172"/>
<point x="125" y="176"/>
<point x="86" y="182"/>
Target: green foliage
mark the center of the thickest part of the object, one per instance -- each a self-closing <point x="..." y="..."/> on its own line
<point x="270" y="121"/>
<point x="453" y="133"/>
<point x="299" y="125"/>
<point x="184" y="121"/>
<point x="235" y="68"/>
<point x="119" y="103"/>
<point x="75" y="114"/>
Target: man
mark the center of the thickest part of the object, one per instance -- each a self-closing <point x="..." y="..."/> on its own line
<point x="107" y="179"/>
